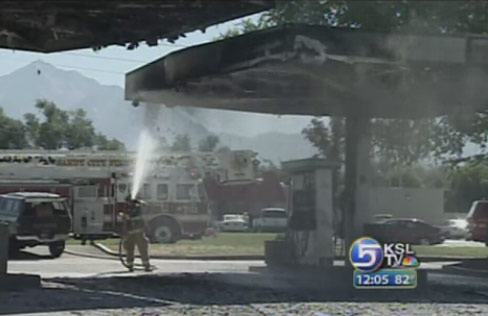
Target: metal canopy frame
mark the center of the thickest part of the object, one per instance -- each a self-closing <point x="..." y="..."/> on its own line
<point x="316" y="70"/>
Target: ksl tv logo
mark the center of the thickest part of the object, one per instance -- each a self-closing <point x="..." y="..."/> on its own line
<point x="368" y="255"/>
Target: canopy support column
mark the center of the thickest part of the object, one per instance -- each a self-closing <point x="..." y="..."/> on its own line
<point x="357" y="179"/>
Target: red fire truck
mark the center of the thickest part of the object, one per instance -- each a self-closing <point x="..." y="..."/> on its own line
<point x="98" y="183"/>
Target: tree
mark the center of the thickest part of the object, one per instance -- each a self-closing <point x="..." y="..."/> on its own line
<point x="402" y="142"/>
<point x="468" y="183"/>
<point x="328" y="139"/>
<point x="413" y="176"/>
<point x="12" y="133"/>
<point x="181" y="143"/>
<point x="412" y="16"/>
<point x="223" y="149"/>
<point x="394" y="141"/>
<point x="267" y="165"/>
<point x="103" y="143"/>
<point x="397" y="141"/>
<point x="32" y="126"/>
<point x="53" y="131"/>
<point x="209" y="143"/>
<point x="59" y="128"/>
<point x="246" y="26"/>
<point x="80" y="131"/>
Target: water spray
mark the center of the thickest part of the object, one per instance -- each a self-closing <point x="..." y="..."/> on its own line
<point x="145" y="150"/>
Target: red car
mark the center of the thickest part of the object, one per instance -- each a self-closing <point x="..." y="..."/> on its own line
<point x="478" y="221"/>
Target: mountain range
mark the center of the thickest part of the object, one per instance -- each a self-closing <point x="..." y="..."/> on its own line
<point x="274" y="138"/>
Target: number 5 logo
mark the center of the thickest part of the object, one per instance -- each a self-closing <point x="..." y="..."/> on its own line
<point x="366" y="251"/>
<point x="366" y="254"/>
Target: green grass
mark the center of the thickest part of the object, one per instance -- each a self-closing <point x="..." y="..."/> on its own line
<point x="223" y="244"/>
<point x="454" y="252"/>
<point x="253" y="244"/>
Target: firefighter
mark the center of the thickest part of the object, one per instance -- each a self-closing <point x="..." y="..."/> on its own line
<point x="134" y="234"/>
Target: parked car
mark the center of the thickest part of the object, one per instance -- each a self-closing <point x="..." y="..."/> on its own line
<point x="407" y="230"/>
<point x="232" y="217"/>
<point x="271" y="219"/>
<point x="478" y="221"/>
<point x="36" y="219"/>
<point x="454" y="228"/>
<point x="234" y="223"/>
<point x="381" y="217"/>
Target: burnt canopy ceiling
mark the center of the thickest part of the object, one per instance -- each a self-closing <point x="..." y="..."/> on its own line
<point x="49" y="26"/>
<point x="315" y="70"/>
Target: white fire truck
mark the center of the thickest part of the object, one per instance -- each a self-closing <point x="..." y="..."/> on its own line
<point x="97" y="184"/>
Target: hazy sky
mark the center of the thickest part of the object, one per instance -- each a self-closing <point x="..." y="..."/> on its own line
<point x="109" y="66"/>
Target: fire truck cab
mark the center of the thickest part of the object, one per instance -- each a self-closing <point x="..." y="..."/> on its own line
<point x="94" y="215"/>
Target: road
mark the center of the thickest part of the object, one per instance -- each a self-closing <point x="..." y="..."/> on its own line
<point x="37" y="260"/>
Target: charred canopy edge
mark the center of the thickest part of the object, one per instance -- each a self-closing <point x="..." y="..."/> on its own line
<point x="49" y="26"/>
<point x="316" y="70"/>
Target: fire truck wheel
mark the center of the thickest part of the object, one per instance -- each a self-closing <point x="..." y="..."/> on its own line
<point x="56" y="249"/>
<point x="164" y="231"/>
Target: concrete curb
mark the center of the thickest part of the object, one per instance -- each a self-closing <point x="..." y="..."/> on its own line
<point x="110" y="252"/>
<point x="464" y="271"/>
<point x="432" y="259"/>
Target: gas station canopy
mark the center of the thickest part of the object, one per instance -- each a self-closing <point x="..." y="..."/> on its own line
<point x="49" y="26"/>
<point x="316" y="70"/>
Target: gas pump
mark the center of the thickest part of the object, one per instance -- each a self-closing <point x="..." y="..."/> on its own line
<point x="309" y="238"/>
